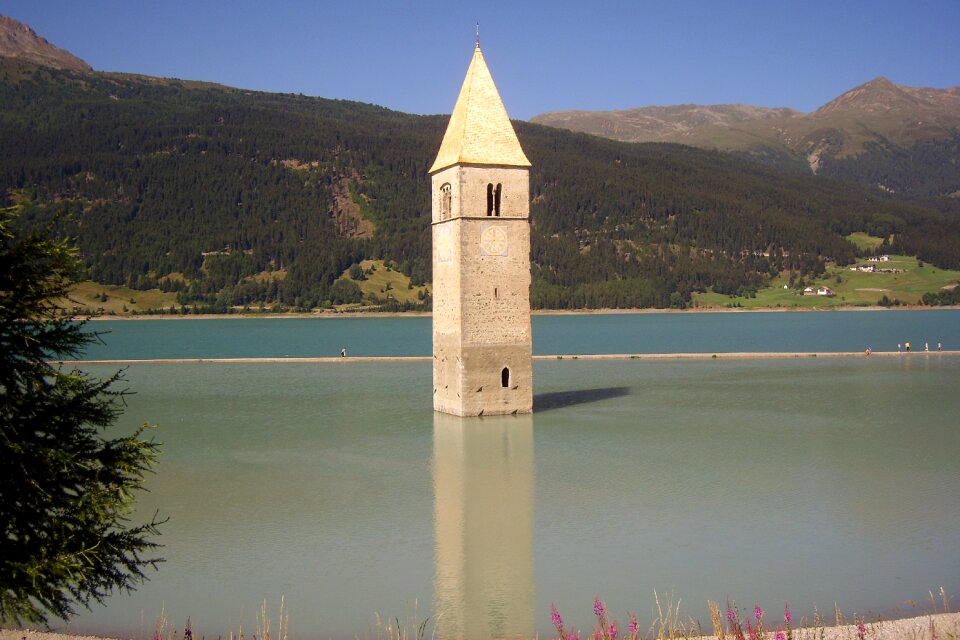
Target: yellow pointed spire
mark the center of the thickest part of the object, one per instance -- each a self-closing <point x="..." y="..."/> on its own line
<point x="479" y="131"/>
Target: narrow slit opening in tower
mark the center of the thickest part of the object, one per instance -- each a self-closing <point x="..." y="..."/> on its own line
<point x="496" y="199"/>
<point x="489" y="199"/>
<point x="505" y="377"/>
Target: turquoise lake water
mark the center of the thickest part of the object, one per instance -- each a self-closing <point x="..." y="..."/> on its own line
<point x="846" y="331"/>
<point x="811" y="481"/>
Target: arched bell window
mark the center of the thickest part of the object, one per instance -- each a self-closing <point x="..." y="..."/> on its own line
<point x="446" y="200"/>
<point x="493" y="198"/>
<point x="505" y="377"/>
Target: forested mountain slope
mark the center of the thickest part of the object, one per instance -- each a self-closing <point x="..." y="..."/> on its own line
<point x="239" y="197"/>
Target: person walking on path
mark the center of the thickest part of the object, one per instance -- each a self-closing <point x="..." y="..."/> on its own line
<point x="343" y="352"/>
<point x="907" y="344"/>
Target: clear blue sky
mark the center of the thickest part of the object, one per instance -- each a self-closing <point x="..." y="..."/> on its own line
<point x="545" y="56"/>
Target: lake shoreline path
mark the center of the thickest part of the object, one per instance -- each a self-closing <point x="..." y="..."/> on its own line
<point x="766" y="355"/>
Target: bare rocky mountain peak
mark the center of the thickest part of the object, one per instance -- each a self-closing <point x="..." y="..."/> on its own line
<point x="878" y="110"/>
<point x="18" y="40"/>
<point x="881" y="95"/>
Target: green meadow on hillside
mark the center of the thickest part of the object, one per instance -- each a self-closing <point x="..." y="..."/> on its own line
<point x="118" y="300"/>
<point x="382" y="282"/>
<point x="864" y="241"/>
<point x="851" y="288"/>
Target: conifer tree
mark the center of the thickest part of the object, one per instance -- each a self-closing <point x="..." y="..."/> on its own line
<point x="66" y="490"/>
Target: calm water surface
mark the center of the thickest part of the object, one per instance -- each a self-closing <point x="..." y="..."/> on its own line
<point x="808" y="481"/>
<point x="847" y="331"/>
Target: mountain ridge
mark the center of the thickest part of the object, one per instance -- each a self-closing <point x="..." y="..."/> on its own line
<point x="869" y="134"/>
<point x="17" y="40"/>
<point x="878" y="112"/>
<point x="657" y="123"/>
<point x="882" y="95"/>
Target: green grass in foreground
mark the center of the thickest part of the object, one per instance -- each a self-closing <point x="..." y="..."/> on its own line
<point x="852" y="288"/>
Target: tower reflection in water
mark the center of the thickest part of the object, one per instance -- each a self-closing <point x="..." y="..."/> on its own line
<point x="483" y="526"/>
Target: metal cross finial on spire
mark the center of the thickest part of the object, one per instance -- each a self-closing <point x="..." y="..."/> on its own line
<point x="478" y="35"/>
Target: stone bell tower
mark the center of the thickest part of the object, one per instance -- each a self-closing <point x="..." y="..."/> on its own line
<point x="482" y="342"/>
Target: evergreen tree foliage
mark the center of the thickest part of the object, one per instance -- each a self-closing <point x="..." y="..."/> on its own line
<point x="927" y="168"/>
<point x="345" y="291"/>
<point x="66" y="491"/>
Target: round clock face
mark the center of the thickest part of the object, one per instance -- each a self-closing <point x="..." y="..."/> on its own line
<point x="493" y="241"/>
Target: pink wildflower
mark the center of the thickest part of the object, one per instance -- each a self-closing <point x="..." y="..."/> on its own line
<point x="786" y="613"/>
<point x="757" y="612"/>
<point x="555" y="618"/>
<point x="597" y="606"/>
<point x="751" y="631"/>
<point x="612" y="631"/>
<point x="780" y="635"/>
<point x="633" y="627"/>
<point x="861" y="630"/>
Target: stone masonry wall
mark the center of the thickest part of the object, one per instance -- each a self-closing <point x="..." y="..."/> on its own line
<point x="481" y="300"/>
